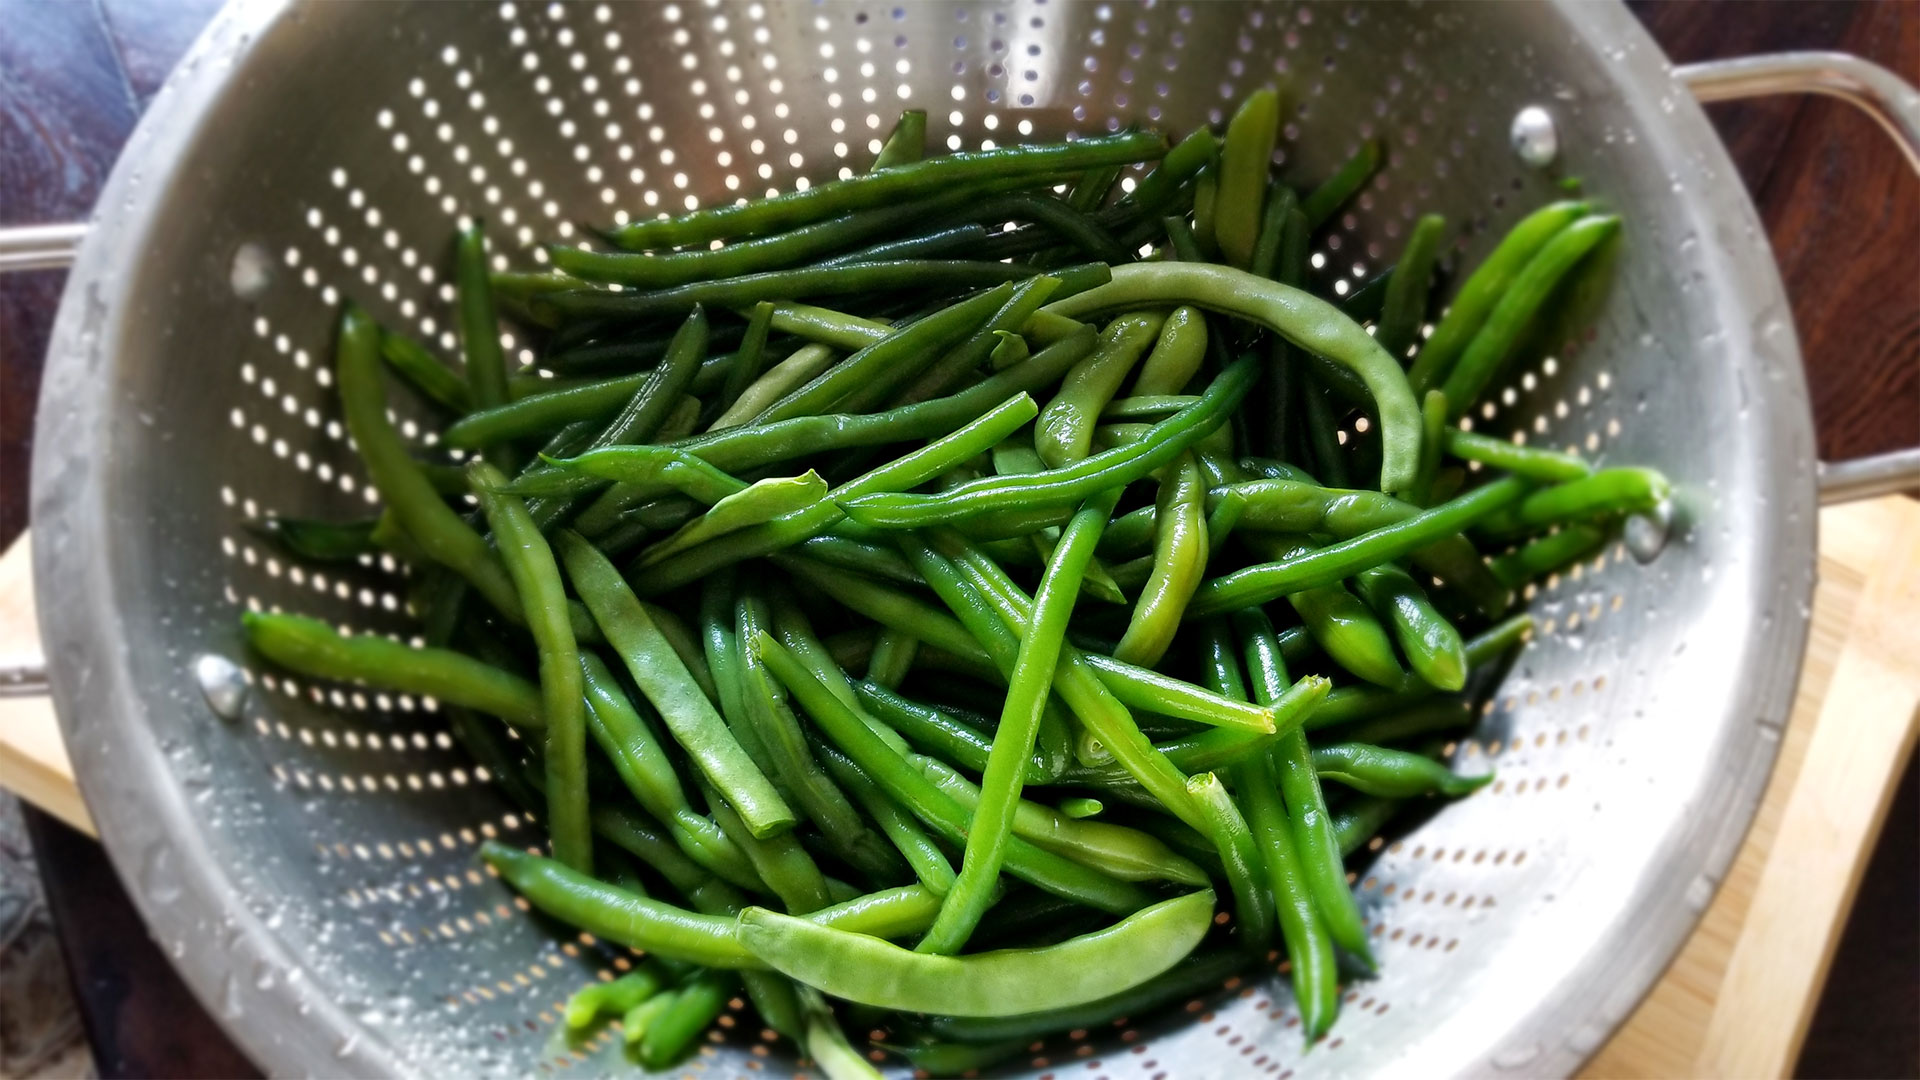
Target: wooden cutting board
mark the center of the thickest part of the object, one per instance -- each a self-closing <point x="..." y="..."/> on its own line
<point x="1737" y="1000"/>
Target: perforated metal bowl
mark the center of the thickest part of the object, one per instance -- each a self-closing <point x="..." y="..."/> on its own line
<point x="309" y="862"/>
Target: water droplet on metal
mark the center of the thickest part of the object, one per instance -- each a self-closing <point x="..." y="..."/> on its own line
<point x="1517" y="1057"/>
<point x="223" y="684"/>
<point x="158" y="880"/>
<point x="251" y="272"/>
<point x="1535" y="139"/>
<point x="1647" y="533"/>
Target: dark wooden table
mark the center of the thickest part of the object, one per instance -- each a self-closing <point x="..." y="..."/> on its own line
<point x="1842" y="210"/>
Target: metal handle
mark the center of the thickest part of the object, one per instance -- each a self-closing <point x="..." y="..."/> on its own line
<point x="33" y="247"/>
<point x="39" y="247"/>
<point x="1895" y="106"/>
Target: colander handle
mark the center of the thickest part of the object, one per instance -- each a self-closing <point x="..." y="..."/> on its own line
<point x="1895" y="106"/>
<point x="39" y="247"/>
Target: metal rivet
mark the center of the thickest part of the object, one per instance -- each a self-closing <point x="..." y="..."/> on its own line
<point x="1535" y="139"/>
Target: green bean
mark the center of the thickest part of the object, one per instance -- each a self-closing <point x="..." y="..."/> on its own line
<point x="1500" y="335"/>
<point x="615" y="998"/>
<point x="763" y="253"/>
<point x="748" y="363"/>
<point x="1154" y="407"/>
<point x="1324" y="201"/>
<point x="930" y="729"/>
<point x="1297" y="316"/>
<point x="779" y="860"/>
<point x="1011" y="349"/>
<point x="1360" y="820"/>
<point x="1181" y="243"/>
<point x="1159" y="189"/>
<point x="929" y="863"/>
<point x="665" y="682"/>
<point x="1353" y="703"/>
<point x="1074" y="228"/>
<point x="1484" y="288"/>
<point x="1392" y="774"/>
<point x="1345" y="628"/>
<point x="322" y="541"/>
<point x="692" y="1010"/>
<point x="1289" y="387"/>
<point x="1265" y="259"/>
<point x="1115" y="850"/>
<point x="1129" y="534"/>
<point x="843" y="553"/>
<point x="738" y="449"/>
<point x="937" y="457"/>
<point x="799" y="368"/>
<point x="616" y="915"/>
<point x="1013" y="742"/>
<point x="1079" y="806"/>
<point x="628" y="740"/>
<point x="424" y="372"/>
<point x="537" y="413"/>
<point x="1291" y="760"/>
<point x="889" y="186"/>
<point x="1064" y="486"/>
<point x="1619" y="490"/>
<point x="315" y="649"/>
<point x="1065" y="427"/>
<point x="1198" y="974"/>
<point x="963" y="359"/>
<point x="1253" y="905"/>
<point x="1548" y="554"/>
<point x="1221" y="520"/>
<point x="480" y="330"/>
<point x="1433" y="436"/>
<point x="436" y="528"/>
<point x="1532" y="462"/>
<point x="967" y="238"/>
<point x="1245" y="161"/>
<point x="1180" y="560"/>
<point x="905" y="783"/>
<point x="1431" y="644"/>
<point x="823" y="802"/>
<point x="1365" y="303"/>
<point x="905" y="350"/>
<point x="1329" y="564"/>
<point x="1090" y="190"/>
<point x="892" y="658"/>
<point x="906" y="143"/>
<point x="536" y="577"/>
<point x="1206" y="201"/>
<point x="1315" y="973"/>
<point x="828" y="327"/>
<point x="1294" y="503"/>
<point x="1328" y="457"/>
<point x="1406" y="301"/>
<point x="955" y="1058"/>
<point x="1176" y="355"/>
<point x="1218" y="748"/>
<point x="760" y="503"/>
<point x="1009" y="982"/>
<point x="1447" y="715"/>
<point x="803" y="281"/>
<point x="637" y="1021"/>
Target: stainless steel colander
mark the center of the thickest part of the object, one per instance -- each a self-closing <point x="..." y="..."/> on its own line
<point x="306" y="853"/>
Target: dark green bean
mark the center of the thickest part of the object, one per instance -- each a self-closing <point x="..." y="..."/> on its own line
<point x="1619" y="490"/>
<point x="906" y="143"/>
<point x="1324" y="201"/>
<point x="1160" y="189"/>
<point x="1416" y="720"/>
<point x="691" y="1011"/>
<point x="965" y="358"/>
<point x="892" y="658"/>
<point x="320" y="541"/>
<point x="931" y="729"/>
<point x="889" y="186"/>
<point x="967" y="239"/>
<point x="778" y="859"/>
<point x="480" y="331"/>
<point x="1265" y="260"/>
<point x="1406" y="302"/>
<point x="929" y="863"/>
<point x="426" y="373"/>
<point x="804" y="281"/>
<point x="1360" y="820"/>
<point x="1433" y="416"/>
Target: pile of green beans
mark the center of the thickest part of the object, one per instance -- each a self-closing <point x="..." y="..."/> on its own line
<point x="944" y="651"/>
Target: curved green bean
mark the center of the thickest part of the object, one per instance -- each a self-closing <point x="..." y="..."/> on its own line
<point x="1246" y="158"/>
<point x="1301" y="318"/>
<point x="1432" y="646"/>
<point x="1179" y="562"/>
<point x="1391" y="774"/>
<point x="1064" y="430"/>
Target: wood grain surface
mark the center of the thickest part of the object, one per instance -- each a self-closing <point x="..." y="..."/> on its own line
<point x="1841" y="209"/>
